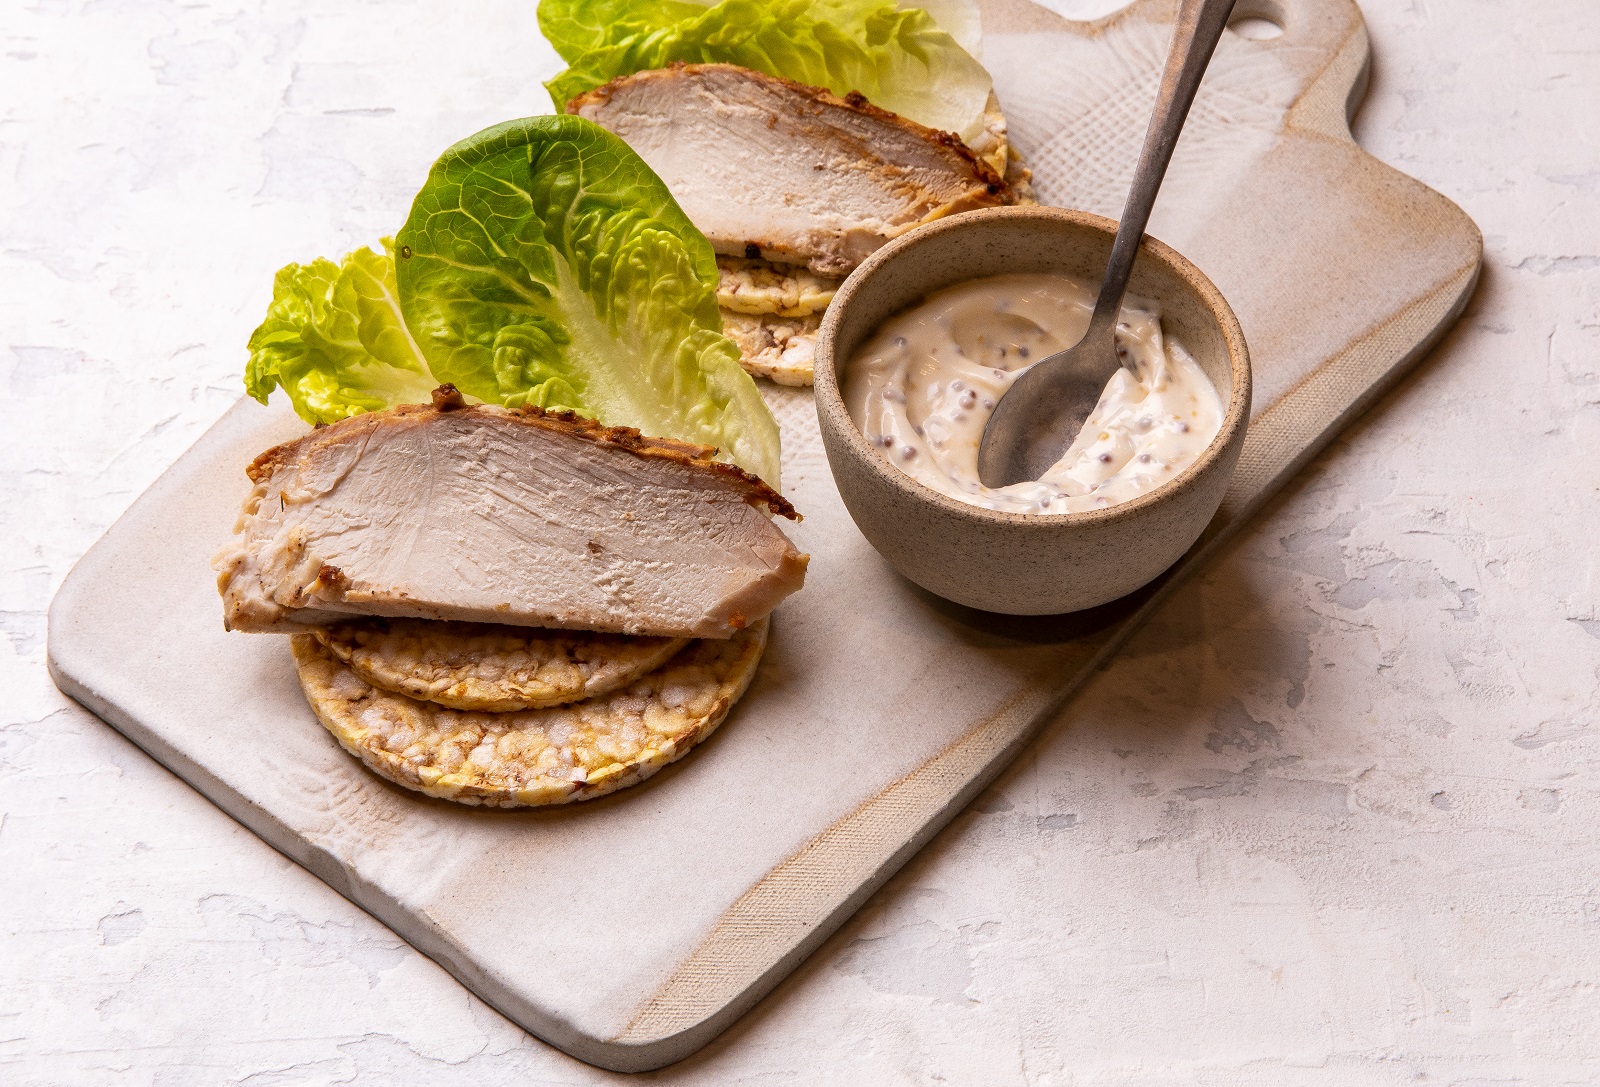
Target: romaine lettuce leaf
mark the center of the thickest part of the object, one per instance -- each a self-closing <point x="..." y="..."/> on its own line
<point x="545" y="263"/>
<point x="899" y="58"/>
<point x="958" y="18"/>
<point x="335" y="340"/>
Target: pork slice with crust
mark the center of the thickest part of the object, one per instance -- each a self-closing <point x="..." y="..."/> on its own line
<point x="517" y="517"/>
<point x="770" y="168"/>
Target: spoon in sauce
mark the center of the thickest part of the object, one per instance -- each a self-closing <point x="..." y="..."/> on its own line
<point x="1041" y="414"/>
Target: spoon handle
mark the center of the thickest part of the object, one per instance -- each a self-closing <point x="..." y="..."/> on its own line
<point x="1194" y="38"/>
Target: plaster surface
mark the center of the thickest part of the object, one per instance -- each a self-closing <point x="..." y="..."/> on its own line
<point x="1330" y="819"/>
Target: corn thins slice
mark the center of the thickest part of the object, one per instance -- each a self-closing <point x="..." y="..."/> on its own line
<point x="482" y="666"/>
<point x="525" y="758"/>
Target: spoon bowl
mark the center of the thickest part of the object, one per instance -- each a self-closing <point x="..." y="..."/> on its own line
<point x="1041" y="413"/>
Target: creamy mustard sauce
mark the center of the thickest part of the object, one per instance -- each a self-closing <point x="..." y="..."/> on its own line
<point x="923" y="387"/>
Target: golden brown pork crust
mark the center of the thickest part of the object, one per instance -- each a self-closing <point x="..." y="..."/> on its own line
<point x="855" y="100"/>
<point x="625" y="439"/>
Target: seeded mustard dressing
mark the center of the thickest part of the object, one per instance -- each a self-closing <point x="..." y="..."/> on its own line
<point x="923" y="387"/>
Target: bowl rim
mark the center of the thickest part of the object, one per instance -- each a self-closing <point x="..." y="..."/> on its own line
<point x="830" y="401"/>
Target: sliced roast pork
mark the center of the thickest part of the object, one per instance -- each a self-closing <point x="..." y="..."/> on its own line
<point x="493" y="515"/>
<point x="770" y="168"/>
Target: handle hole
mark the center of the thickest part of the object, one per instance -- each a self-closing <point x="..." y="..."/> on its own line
<point x="1257" y="28"/>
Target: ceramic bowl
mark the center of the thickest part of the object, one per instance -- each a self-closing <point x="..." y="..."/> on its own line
<point x="1026" y="564"/>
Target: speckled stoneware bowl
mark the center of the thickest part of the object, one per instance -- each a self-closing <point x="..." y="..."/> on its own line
<point x="1026" y="564"/>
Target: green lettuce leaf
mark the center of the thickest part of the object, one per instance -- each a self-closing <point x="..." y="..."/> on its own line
<point x="544" y="263"/>
<point x="335" y="340"/>
<point x="900" y="59"/>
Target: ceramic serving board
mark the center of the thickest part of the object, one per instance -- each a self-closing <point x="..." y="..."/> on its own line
<point x="630" y="930"/>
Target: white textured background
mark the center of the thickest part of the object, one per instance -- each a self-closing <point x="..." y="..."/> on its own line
<point x="1332" y="819"/>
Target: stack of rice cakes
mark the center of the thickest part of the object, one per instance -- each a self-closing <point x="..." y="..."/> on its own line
<point x="774" y="311"/>
<point x="518" y="717"/>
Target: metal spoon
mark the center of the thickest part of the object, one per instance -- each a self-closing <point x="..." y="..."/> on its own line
<point x="1040" y="416"/>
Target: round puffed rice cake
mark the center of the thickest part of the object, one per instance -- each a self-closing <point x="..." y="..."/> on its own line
<point x="491" y="668"/>
<point x="780" y="349"/>
<point x="533" y="757"/>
